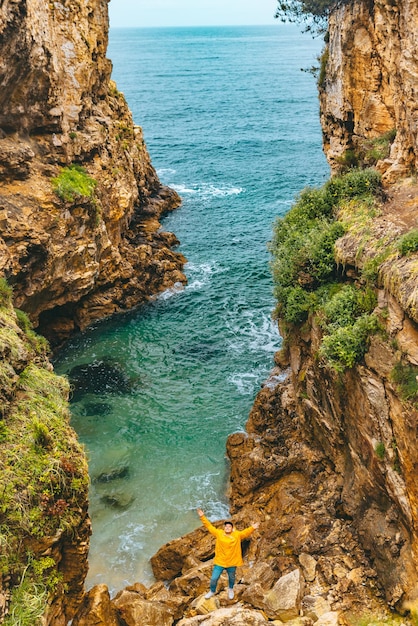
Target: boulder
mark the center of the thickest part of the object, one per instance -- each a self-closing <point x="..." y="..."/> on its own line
<point x="170" y="559"/>
<point x="134" y="610"/>
<point x="257" y="580"/>
<point x="234" y="616"/>
<point x="328" y="619"/>
<point x="193" y="582"/>
<point x="308" y="564"/>
<point x="284" y="600"/>
<point x="96" y="609"/>
<point x="260" y="573"/>
<point x="315" y="606"/>
<point x="203" y="605"/>
<point x="159" y="593"/>
<point x="254" y="595"/>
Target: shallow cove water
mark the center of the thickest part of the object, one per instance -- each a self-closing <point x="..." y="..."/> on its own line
<point x="231" y="123"/>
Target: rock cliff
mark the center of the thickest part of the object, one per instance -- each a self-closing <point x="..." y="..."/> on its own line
<point x="369" y="81"/>
<point x="328" y="460"/>
<point x="80" y="239"/>
<point x="44" y="523"/>
<point x="72" y="256"/>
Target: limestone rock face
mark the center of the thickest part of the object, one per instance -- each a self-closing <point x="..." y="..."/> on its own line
<point x="371" y="80"/>
<point x="333" y="497"/>
<point x="74" y="261"/>
<point x="97" y="609"/>
<point x="284" y="600"/>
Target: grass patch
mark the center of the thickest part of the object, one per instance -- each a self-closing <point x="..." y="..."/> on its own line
<point x="377" y="149"/>
<point x="347" y="345"/>
<point x="37" y="342"/>
<point x="345" y="306"/>
<point x="6" y="292"/>
<point x="323" y="62"/>
<point x="29" y="599"/>
<point x="303" y="243"/>
<point x="380" y="450"/>
<point x="73" y="183"/>
<point x="408" y="243"/>
<point x="43" y="470"/>
<point x="404" y="376"/>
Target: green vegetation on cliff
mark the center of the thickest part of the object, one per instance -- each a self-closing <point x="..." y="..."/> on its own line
<point x="43" y="470"/>
<point x="368" y="151"/>
<point x="73" y="182"/>
<point x="306" y="274"/>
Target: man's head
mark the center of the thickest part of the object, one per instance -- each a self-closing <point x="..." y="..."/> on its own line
<point x="228" y="527"/>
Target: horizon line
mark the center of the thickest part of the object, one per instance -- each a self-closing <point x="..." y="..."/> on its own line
<point x="277" y="23"/>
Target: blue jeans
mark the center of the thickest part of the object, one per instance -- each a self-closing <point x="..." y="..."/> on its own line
<point x="217" y="571"/>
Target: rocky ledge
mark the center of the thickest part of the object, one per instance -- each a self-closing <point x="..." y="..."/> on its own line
<point x="76" y="253"/>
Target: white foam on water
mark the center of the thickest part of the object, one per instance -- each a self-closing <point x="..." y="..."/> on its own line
<point x="170" y="292"/>
<point x="245" y="382"/>
<point x="222" y="191"/>
<point x="129" y="540"/>
<point x="182" y="189"/>
<point x="166" y="171"/>
<point x="253" y="333"/>
<point x="200" y="275"/>
<point x="207" y="190"/>
<point x="275" y="379"/>
<point x="265" y="337"/>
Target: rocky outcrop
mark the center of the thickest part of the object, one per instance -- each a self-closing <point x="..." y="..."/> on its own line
<point x="45" y="528"/>
<point x="78" y="258"/>
<point x="369" y="81"/>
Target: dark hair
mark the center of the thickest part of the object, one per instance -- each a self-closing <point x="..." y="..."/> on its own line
<point x="228" y="521"/>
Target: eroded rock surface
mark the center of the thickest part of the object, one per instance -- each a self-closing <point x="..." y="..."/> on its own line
<point x="71" y="262"/>
<point x="370" y="81"/>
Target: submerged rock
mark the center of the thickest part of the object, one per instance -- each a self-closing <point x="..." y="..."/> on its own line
<point x="103" y="376"/>
<point x="112" y="474"/>
<point x="118" y="500"/>
<point x="98" y="408"/>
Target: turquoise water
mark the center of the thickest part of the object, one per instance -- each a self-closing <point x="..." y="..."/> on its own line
<point x="232" y="124"/>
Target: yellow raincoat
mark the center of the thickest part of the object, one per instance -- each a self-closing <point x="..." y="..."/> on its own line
<point x="227" y="547"/>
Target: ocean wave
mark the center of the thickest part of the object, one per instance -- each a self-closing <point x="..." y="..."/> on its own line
<point x="206" y="190"/>
<point x="169" y="293"/>
<point x="165" y="171"/>
<point x="245" y="382"/>
<point x="212" y="190"/>
<point x="253" y="333"/>
<point x="182" y="189"/>
<point x="205" y="489"/>
<point x="200" y="275"/>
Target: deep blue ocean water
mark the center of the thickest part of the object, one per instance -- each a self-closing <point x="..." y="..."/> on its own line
<point x="231" y="122"/>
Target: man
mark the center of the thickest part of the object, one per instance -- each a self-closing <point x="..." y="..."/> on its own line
<point x="228" y="553"/>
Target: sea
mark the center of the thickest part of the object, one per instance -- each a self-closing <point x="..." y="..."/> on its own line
<point x="231" y="120"/>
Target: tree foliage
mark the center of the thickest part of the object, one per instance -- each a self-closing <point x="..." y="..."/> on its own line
<point x="314" y="13"/>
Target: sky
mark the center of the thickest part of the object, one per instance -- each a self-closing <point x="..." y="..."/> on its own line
<point x="191" y="12"/>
